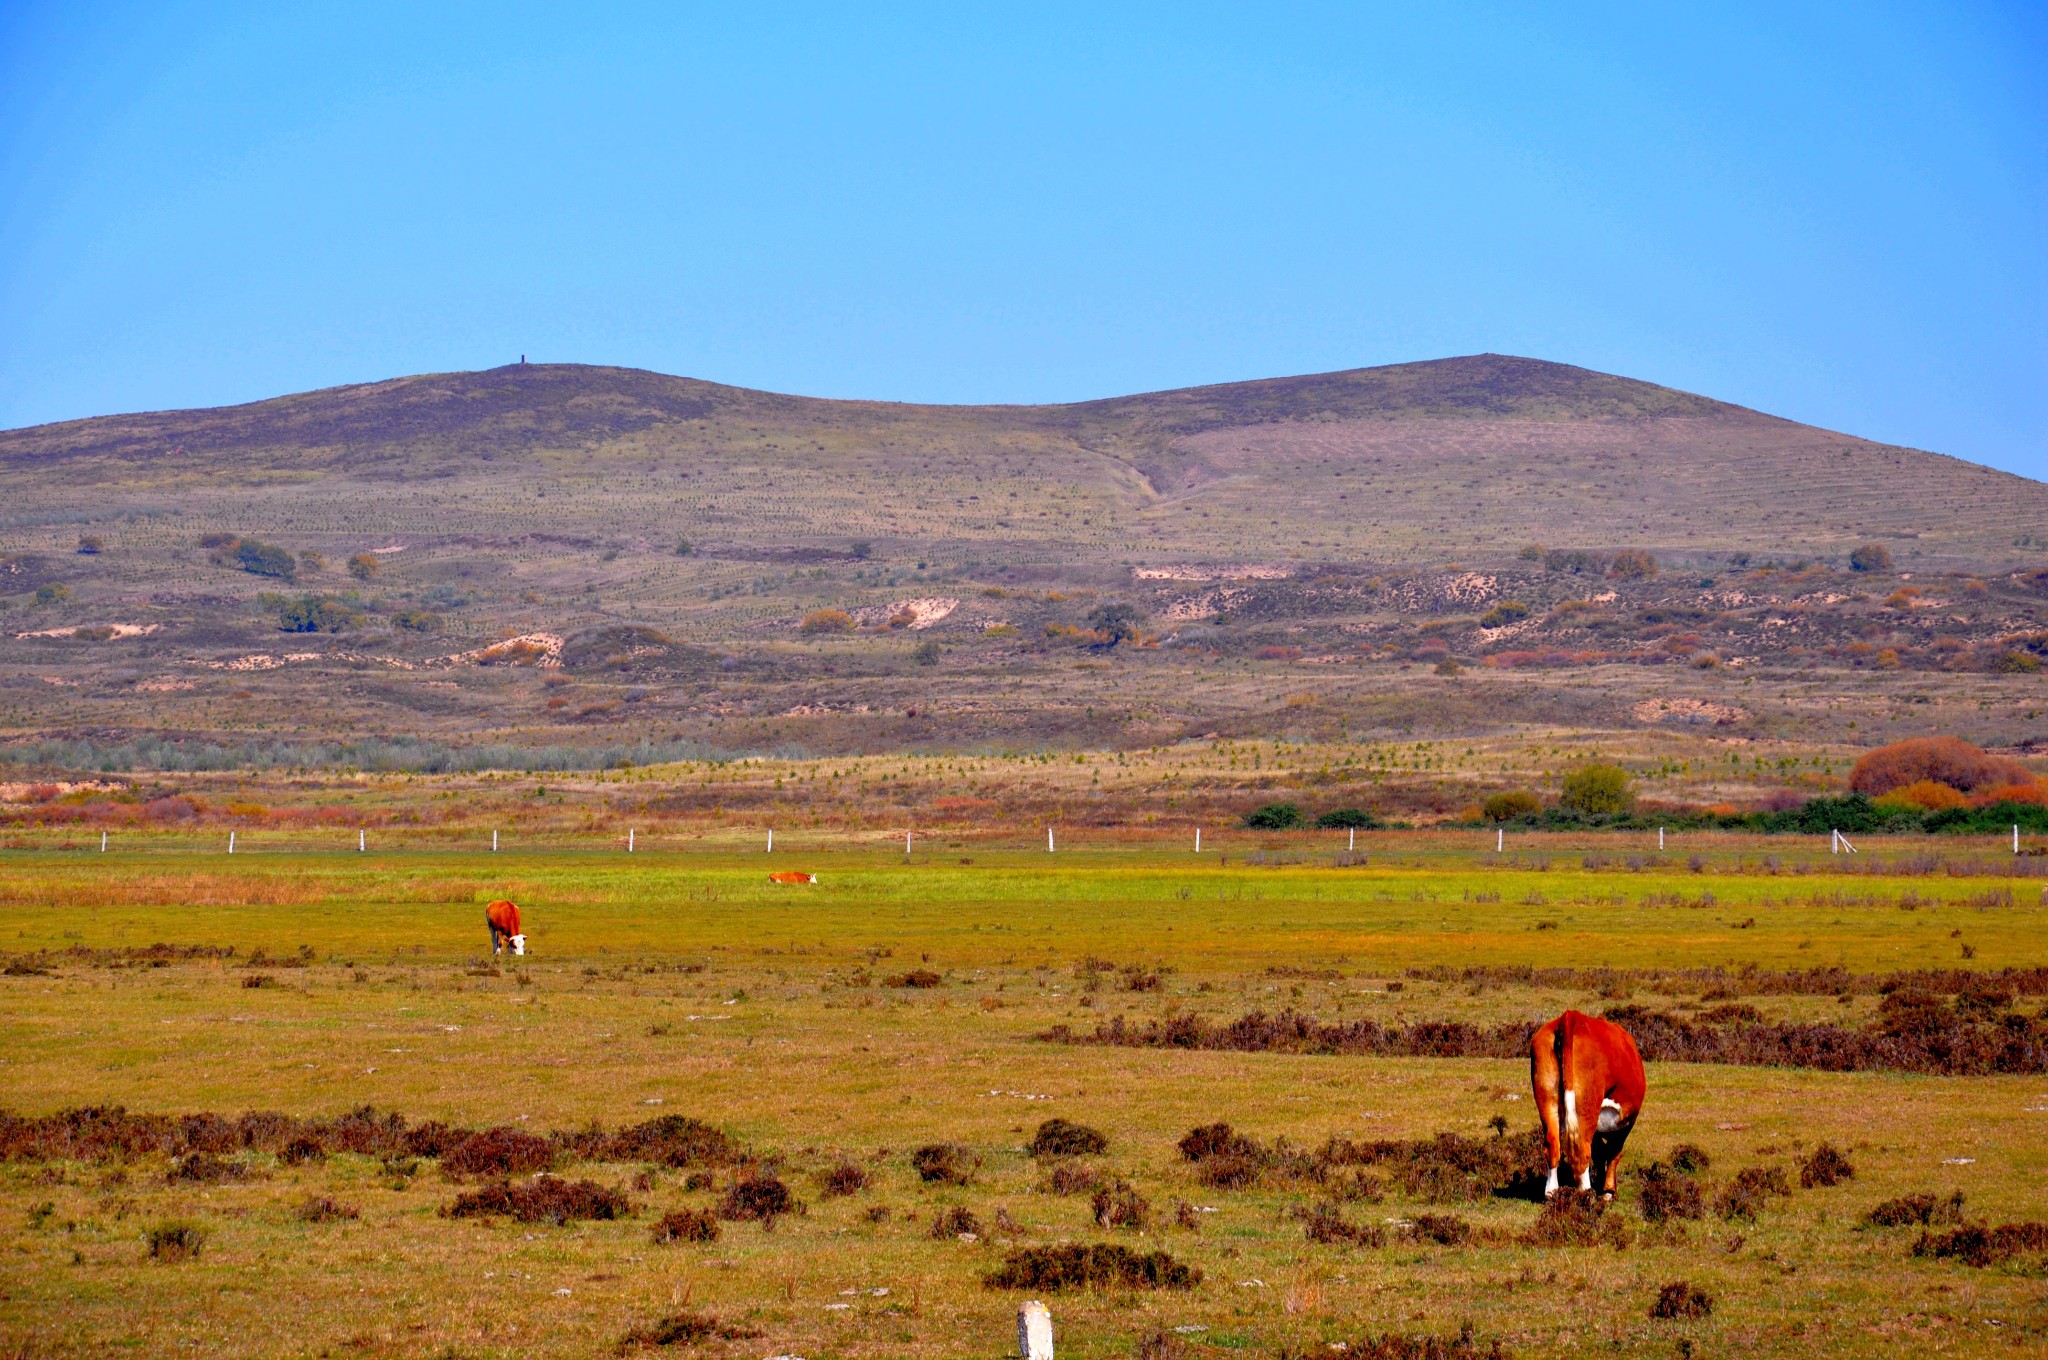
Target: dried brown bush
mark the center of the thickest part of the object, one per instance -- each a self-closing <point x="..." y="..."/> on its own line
<point x="1086" y="1266"/>
<point x="1690" y="1158"/>
<point x="1749" y="1193"/>
<point x="1062" y="1138"/>
<point x="670" y="1140"/>
<point x="1978" y="1245"/>
<point x="683" y="1329"/>
<point x="1446" y="1230"/>
<point x="1121" y="1206"/>
<point x="1071" y="1178"/>
<point x="1827" y="1166"/>
<point x="1680" y="1299"/>
<point x="1669" y="1193"/>
<point x="1576" y="1218"/>
<point x="954" y="1222"/>
<point x="203" y="1168"/>
<point x="918" y="978"/>
<point x="544" y="1199"/>
<point x="174" y="1241"/>
<point x="758" y="1197"/>
<point x="1326" y="1223"/>
<point x="321" y="1209"/>
<point x="1410" y="1346"/>
<point x="498" y="1152"/>
<point x="943" y="1164"/>
<point x="1918" y="1210"/>
<point x="686" y="1225"/>
<point x="845" y="1178"/>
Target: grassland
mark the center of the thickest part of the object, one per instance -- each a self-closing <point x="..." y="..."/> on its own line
<point x="677" y="980"/>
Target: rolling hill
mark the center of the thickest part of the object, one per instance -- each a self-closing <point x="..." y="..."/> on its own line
<point x="1376" y="513"/>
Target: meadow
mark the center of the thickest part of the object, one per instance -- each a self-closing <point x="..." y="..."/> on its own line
<point x="902" y="1003"/>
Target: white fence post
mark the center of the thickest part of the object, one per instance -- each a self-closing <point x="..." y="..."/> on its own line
<point x="1352" y="843"/>
<point x="494" y="841"/>
<point x="1198" y="840"/>
<point x="771" y="840"/>
<point x="629" y="840"/>
<point x="906" y="843"/>
<point x="1048" y="840"/>
<point x="103" y="842"/>
<point x="231" y="842"/>
<point x="362" y="839"/>
<point x="1660" y="838"/>
<point x="1500" y="839"/>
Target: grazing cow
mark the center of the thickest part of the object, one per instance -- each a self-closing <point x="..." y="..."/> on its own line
<point x="1579" y="1063"/>
<point x="503" y="919"/>
<point x="789" y="876"/>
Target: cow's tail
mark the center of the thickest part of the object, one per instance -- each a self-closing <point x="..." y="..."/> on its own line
<point x="1567" y="1103"/>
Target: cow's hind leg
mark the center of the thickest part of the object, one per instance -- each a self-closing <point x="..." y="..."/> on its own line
<point x="1614" y="1131"/>
<point x="1545" y="1082"/>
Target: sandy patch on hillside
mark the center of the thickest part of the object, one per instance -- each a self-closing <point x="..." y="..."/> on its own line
<point x="166" y="686"/>
<point x="1687" y="712"/>
<point x="1189" y="608"/>
<point x="118" y="630"/>
<point x="1243" y="571"/>
<point x="260" y="661"/>
<point x="924" y="612"/>
<point x="41" y="791"/>
<point x="546" y="648"/>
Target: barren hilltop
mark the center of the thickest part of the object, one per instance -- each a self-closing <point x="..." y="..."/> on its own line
<point x="560" y="555"/>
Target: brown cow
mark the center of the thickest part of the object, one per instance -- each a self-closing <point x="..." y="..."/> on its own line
<point x="790" y="876"/>
<point x="503" y="919"/>
<point x="1580" y="1063"/>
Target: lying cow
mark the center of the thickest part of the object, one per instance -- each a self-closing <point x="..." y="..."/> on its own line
<point x="1580" y="1066"/>
<point x="503" y="919"/>
<point x="790" y="876"/>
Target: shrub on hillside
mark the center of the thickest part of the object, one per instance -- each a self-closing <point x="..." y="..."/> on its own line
<point x="1340" y="819"/>
<point x="1510" y="805"/>
<point x="263" y="559"/>
<point x="1274" y="817"/>
<point x="1597" y="790"/>
<point x="316" y="614"/>
<point x="1870" y="557"/>
<point x="828" y="621"/>
<point x="365" y="565"/>
<point x="1503" y="614"/>
<point x="1115" y="622"/>
<point x="1631" y="564"/>
<point x="1940" y="760"/>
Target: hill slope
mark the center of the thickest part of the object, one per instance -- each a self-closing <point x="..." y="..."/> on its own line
<point x="1378" y="512"/>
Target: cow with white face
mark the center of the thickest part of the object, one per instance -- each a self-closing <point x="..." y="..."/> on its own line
<point x="503" y="919"/>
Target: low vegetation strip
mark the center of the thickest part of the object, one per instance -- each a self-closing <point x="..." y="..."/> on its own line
<point x="112" y="1134"/>
<point x="1078" y="1265"/>
<point x="1721" y="984"/>
<point x="1914" y="1032"/>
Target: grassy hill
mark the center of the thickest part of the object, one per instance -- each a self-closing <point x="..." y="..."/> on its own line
<point x="1376" y="513"/>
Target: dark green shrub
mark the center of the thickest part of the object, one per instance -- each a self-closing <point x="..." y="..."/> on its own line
<point x="1340" y="819"/>
<point x="1274" y="817"/>
<point x="1597" y="790"/>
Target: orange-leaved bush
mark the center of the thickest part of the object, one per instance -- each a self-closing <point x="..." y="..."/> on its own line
<point x="1941" y="760"/>
<point x="1923" y="794"/>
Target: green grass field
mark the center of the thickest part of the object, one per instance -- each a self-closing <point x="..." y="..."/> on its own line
<point x="680" y="981"/>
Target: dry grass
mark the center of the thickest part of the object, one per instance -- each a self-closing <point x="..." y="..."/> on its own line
<point x="814" y="1065"/>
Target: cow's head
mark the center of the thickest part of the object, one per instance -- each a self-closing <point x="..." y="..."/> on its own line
<point x="518" y="944"/>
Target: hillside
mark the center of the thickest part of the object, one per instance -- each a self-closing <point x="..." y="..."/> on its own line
<point x="1332" y="520"/>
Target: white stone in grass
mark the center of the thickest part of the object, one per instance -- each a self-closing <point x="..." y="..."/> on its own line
<point x="1034" y="1332"/>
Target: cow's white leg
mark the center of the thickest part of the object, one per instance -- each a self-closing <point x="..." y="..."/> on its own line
<point x="1550" y="1185"/>
<point x="1586" y="1179"/>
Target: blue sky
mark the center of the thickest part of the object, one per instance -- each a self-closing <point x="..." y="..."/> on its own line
<point x="1837" y="214"/>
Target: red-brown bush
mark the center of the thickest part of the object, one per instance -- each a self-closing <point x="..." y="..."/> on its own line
<point x="1944" y="760"/>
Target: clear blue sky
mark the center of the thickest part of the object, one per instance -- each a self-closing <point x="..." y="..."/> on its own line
<point x="1838" y="214"/>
